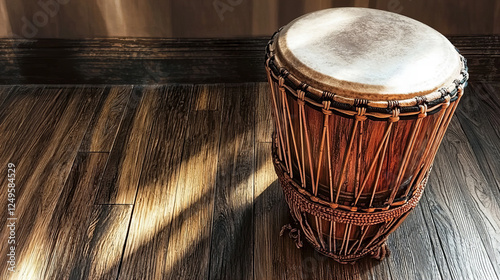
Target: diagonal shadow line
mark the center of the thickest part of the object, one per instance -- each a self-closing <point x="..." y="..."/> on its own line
<point x="55" y="105"/>
<point x="201" y="241"/>
<point x="186" y="213"/>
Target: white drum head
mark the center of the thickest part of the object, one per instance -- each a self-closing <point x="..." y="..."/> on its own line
<point x="366" y="53"/>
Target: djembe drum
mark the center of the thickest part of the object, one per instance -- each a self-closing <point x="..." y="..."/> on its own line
<point x="361" y="99"/>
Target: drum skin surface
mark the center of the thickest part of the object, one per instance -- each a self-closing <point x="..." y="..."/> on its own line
<point x="361" y="100"/>
<point x="367" y="53"/>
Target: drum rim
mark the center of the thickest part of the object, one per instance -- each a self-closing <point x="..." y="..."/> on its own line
<point x="352" y="89"/>
<point x="382" y="108"/>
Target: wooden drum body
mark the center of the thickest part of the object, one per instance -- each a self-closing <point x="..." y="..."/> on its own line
<point x="353" y="150"/>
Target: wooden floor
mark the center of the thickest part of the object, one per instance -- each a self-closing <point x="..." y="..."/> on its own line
<point x="176" y="182"/>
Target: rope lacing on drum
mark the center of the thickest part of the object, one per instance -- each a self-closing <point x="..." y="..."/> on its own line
<point x="304" y="86"/>
<point x="294" y="234"/>
<point x="395" y="115"/>
<point x="360" y="102"/>
<point x="326" y="108"/>
<point x="328" y="95"/>
<point x="465" y="74"/>
<point x="460" y="91"/>
<point x="301" y="96"/>
<point x="392" y="104"/>
<point x="342" y="103"/>
<point x="423" y="111"/>
<point x="443" y="92"/>
<point x="446" y="104"/>
<point x="283" y="74"/>
<point x="268" y="60"/>
<point x="361" y="114"/>
<point x="421" y="100"/>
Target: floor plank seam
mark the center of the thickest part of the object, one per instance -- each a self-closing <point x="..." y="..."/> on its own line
<point x="216" y="180"/>
<point x="125" y="241"/>
<point x="490" y="168"/>
<point x="137" y="187"/>
<point x="434" y="247"/>
<point x="431" y="218"/>
<point x="113" y="204"/>
<point x="132" y="91"/>
<point x="253" y="185"/>
<point x="183" y="150"/>
<point x="254" y="171"/>
<point x="474" y="202"/>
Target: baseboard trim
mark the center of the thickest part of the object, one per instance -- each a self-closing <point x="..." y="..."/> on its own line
<point x="160" y="61"/>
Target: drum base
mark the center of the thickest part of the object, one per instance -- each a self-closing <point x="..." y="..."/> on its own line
<point x="328" y="229"/>
<point x="294" y="233"/>
<point x="382" y="252"/>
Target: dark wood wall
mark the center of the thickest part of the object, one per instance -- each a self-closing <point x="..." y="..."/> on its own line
<point x="218" y="18"/>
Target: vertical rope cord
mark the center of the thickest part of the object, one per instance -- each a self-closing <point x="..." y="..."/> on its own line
<point x="407" y="153"/>
<point x="379" y="170"/>
<point x="364" y="230"/>
<point x="372" y="166"/>
<point x="345" y="238"/>
<point x="327" y="113"/>
<point x="320" y="232"/>
<point x="428" y="147"/>
<point x="346" y="160"/>
<point x="300" y="104"/>
<point x="308" y="144"/>
<point x="302" y="178"/>
<point x="427" y="158"/>
<point x="330" y="237"/>
<point x="360" y="117"/>
<point x="330" y="171"/>
<point x="442" y="131"/>
<point x="394" y="118"/>
<point x="288" y="153"/>
<point x="276" y="115"/>
<point x="298" y="216"/>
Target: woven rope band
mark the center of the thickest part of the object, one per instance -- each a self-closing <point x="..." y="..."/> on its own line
<point x="292" y="194"/>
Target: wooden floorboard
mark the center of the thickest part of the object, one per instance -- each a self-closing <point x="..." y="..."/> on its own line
<point x="66" y="228"/>
<point x="434" y="238"/>
<point x="105" y="239"/>
<point x="13" y="113"/>
<point x="188" y="244"/>
<point x="411" y="247"/>
<point x="482" y="130"/>
<point x="177" y="182"/>
<point x="4" y="93"/>
<point x="123" y="170"/>
<point x="463" y="208"/>
<point x="106" y="121"/>
<point x="58" y="119"/>
<point x="152" y="214"/>
<point x="263" y="117"/>
<point x="231" y="255"/>
<point x="478" y="119"/>
<point x="277" y="257"/>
